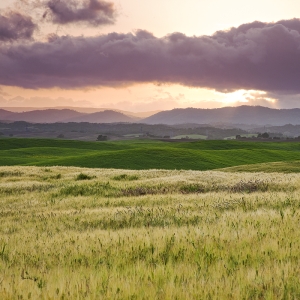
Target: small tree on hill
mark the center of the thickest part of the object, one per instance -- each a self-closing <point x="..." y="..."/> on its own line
<point x="101" y="137"/>
<point x="265" y="135"/>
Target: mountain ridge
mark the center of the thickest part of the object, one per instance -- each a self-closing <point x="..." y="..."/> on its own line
<point x="64" y="116"/>
<point x="258" y="115"/>
<point x="248" y="115"/>
<point x="107" y="116"/>
<point x="88" y="110"/>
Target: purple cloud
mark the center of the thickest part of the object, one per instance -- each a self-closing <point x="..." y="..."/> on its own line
<point x="258" y="56"/>
<point x="15" y="26"/>
<point x="92" y="12"/>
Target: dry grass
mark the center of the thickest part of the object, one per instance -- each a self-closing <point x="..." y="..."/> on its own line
<point x="148" y="234"/>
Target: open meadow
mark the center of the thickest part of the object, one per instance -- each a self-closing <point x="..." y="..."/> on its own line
<point x="149" y="154"/>
<point x="149" y="150"/>
<point x="82" y="233"/>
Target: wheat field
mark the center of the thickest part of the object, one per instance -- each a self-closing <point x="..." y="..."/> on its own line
<point x="74" y="233"/>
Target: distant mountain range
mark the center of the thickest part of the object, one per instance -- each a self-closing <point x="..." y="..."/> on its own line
<point x="40" y="116"/>
<point x="247" y="115"/>
<point x="107" y="116"/>
<point x="65" y="115"/>
<point x="86" y="110"/>
<point x="252" y="115"/>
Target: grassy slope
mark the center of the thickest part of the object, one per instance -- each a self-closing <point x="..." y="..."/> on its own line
<point x="204" y="155"/>
<point x="148" y="234"/>
<point x="282" y="167"/>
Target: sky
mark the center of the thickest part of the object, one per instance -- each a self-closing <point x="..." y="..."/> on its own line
<point x="149" y="55"/>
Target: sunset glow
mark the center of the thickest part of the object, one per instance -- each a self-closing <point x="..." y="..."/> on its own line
<point x="167" y="23"/>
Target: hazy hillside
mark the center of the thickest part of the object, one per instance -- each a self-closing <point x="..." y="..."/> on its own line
<point x="287" y="130"/>
<point x="144" y="114"/>
<point x="65" y="115"/>
<point x="41" y="116"/>
<point x="5" y="115"/>
<point x="107" y="116"/>
<point x="253" y="116"/>
<point x="87" y="110"/>
<point x="90" y="131"/>
<point x="243" y="114"/>
<point x="90" y="115"/>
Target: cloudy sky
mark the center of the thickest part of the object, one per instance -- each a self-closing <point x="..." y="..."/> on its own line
<point x="149" y="55"/>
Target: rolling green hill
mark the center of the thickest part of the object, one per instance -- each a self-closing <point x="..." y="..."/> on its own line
<point x="201" y="155"/>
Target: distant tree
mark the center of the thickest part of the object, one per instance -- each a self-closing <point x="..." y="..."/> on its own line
<point x="101" y="137"/>
<point x="166" y="137"/>
<point x="265" y="135"/>
<point x="238" y="136"/>
<point x="1" y="133"/>
<point x="11" y="135"/>
<point x="60" y="136"/>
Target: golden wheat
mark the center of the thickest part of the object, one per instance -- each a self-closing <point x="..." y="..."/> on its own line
<point x="72" y="233"/>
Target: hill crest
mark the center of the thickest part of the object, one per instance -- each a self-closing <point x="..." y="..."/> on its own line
<point x="64" y="116"/>
<point x="258" y="115"/>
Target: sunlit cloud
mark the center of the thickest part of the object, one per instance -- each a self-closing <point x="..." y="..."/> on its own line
<point x="142" y="98"/>
<point x="249" y="57"/>
<point x="247" y="97"/>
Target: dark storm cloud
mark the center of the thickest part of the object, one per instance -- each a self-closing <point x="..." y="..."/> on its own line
<point x="259" y="56"/>
<point x="92" y="12"/>
<point x="15" y="26"/>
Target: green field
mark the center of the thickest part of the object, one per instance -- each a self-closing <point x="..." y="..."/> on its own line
<point x="149" y="220"/>
<point x="145" y="154"/>
<point x="74" y="233"/>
